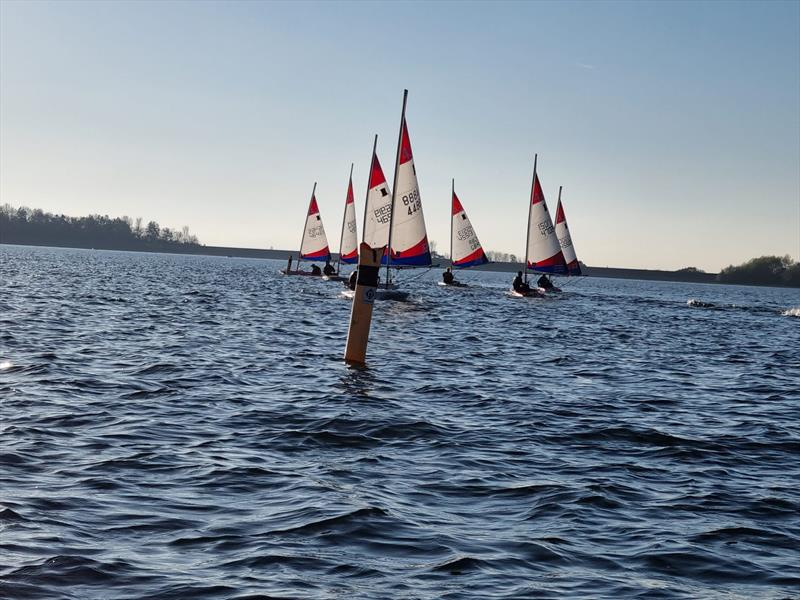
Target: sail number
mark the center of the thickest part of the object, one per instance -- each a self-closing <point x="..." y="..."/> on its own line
<point x="545" y="228"/>
<point x="412" y="201"/>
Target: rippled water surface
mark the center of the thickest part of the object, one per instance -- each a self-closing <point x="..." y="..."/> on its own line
<point x="184" y="427"/>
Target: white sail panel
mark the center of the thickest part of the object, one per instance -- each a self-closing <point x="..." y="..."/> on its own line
<point x="377" y="212"/>
<point x="544" y="251"/>
<point x="466" y="249"/>
<point x="348" y="250"/>
<point x="315" y="243"/>
<point x="409" y="236"/>
<point x="565" y="239"/>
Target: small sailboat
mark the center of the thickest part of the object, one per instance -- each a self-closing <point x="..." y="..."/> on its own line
<point x="542" y="251"/>
<point x="565" y="239"/>
<point x="314" y="243"/>
<point x="465" y="247"/>
<point x="348" y="242"/>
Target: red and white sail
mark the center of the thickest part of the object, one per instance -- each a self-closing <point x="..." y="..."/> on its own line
<point x="314" y="245"/>
<point x="466" y="250"/>
<point x="377" y="212"/>
<point x="565" y="239"/>
<point x="543" y="252"/>
<point x="348" y="246"/>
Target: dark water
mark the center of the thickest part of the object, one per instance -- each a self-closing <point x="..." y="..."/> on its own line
<point x="183" y="427"/>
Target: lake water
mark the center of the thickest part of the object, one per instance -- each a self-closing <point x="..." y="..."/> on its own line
<point x="184" y="427"/>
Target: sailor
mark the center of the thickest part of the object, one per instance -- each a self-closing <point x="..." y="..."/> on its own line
<point x="329" y="270"/>
<point x="289" y="266"/>
<point x="315" y="270"/>
<point x="519" y="285"/>
<point x="447" y="277"/>
<point x="351" y="283"/>
<point x="544" y="282"/>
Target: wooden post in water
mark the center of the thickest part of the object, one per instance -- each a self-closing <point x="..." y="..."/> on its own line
<point x="369" y="265"/>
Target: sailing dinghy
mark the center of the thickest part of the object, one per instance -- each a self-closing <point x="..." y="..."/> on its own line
<point x="314" y="244"/>
<point x="348" y="242"/>
<point x="465" y="247"/>
<point x="377" y="221"/>
<point x="542" y="250"/>
<point x="565" y="239"/>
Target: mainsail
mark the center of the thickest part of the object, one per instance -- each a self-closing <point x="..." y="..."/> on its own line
<point x="565" y="239"/>
<point x="348" y="244"/>
<point x="408" y="240"/>
<point x="543" y="251"/>
<point x="378" y="208"/>
<point x="465" y="248"/>
<point x="314" y="245"/>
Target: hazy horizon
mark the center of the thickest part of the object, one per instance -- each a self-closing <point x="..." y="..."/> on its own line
<point x="674" y="128"/>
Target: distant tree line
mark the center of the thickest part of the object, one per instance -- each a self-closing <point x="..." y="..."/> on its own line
<point x="764" y="270"/>
<point x="35" y="227"/>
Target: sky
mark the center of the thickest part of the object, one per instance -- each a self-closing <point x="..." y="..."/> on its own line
<point x="674" y="127"/>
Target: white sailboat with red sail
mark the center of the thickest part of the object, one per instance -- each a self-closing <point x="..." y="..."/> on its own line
<point x="465" y="247"/>
<point x="565" y="239"/>
<point x="542" y="250"/>
<point x="314" y="243"/>
<point x="348" y="242"/>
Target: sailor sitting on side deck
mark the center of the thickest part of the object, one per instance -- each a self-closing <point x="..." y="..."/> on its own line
<point x="315" y="270"/>
<point x="520" y="286"/>
<point x="447" y="277"/>
<point x="544" y="282"/>
<point x="329" y="270"/>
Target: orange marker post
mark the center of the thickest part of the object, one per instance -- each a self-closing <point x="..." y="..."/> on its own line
<point x="369" y="264"/>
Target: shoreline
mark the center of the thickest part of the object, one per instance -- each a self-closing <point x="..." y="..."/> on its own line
<point x="589" y="271"/>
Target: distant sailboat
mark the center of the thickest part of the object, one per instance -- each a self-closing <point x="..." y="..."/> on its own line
<point x="542" y="250"/>
<point x="465" y="247"/>
<point x="348" y="242"/>
<point x="565" y="239"/>
<point x="314" y="243"/>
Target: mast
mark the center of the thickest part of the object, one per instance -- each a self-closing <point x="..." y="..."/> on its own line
<point x="303" y="237"/>
<point x="452" y="195"/>
<point x="344" y="216"/>
<point x="530" y="209"/>
<point x="394" y="187"/>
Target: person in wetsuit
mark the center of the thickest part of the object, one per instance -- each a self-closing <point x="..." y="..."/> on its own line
<point x="544" y="282"/>
<point x="520" y="286"/>
<point x="329" y="270"/>
<point x="447" y="277"/>
<point x="315" y="270"/>
<point x="351" y="283"/>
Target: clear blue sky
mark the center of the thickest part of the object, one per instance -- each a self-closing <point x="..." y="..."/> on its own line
<point x="674" y="127"/>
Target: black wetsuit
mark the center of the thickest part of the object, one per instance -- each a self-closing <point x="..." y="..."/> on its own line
<point x="544" y="282"/>
<point x="315" y="270"/>
<point x="447" y="277"/>
<point x="520" y="286"/>
<point x="353" y="279"/>
<point x="329" y="270"/>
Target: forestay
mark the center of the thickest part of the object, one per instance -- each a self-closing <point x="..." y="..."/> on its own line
<point x="315" y="243"/>
<point x="466" y="250"/>
<point x="543" y="252"/>
<point x="565" y="239"/>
